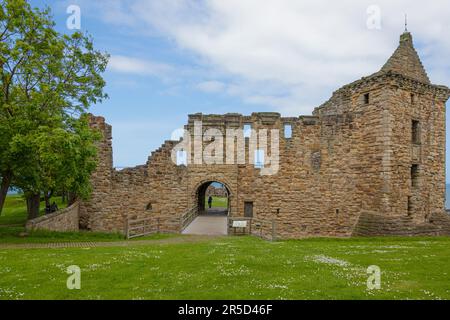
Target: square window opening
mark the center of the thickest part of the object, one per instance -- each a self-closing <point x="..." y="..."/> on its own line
<point x="247" y="130"/>
<point x="259" y="159"/>
<point x="288" y="131"/>
<point x="181" y="158"/>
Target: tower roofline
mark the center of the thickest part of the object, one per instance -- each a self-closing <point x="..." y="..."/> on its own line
<point x="406" y="61"/>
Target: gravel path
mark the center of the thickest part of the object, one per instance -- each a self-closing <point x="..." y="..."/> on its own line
<point x="90" y="244"/>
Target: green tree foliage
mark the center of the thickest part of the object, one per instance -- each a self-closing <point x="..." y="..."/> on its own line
<point x="47" y="83"/>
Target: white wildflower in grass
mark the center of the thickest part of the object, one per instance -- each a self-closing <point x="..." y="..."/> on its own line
<point x="431" y="295"/>
<point x="276" y="286"/>
<point x="10" y="293"/>
<point x="5" y="270"/>
<point x="381" y="251"/>
<point x="327" y="260"/>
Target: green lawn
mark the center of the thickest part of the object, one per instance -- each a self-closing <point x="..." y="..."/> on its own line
<point x="218" y="202"/>
<point x="222" y="268"/>
<point x="234" y="268"/>
<point x="15" y="210"/>
<point x="14" y="217"/>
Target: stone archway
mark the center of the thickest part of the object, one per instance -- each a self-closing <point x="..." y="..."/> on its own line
<point x="220" y="194"/>
<point x="209" y="221"/>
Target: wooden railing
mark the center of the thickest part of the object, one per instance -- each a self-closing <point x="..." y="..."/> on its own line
<point x="187" y="217"/>
<point x="265" y="229"/>
<point x="141" y="227"/>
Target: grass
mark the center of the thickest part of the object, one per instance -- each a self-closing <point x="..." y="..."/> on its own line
<point x="233" y="268"/>
<point x="15" y="210"/>
<point x="14" y="217"/>
<point x="16" y="235"/>
<point x="218" y="202"/>
<point x="221" y="268"/>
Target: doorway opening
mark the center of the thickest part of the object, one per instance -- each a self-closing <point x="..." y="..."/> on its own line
<point x="213" y="199"/>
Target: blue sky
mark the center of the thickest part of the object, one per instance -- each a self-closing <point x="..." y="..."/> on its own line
<point x="170" y="58"/>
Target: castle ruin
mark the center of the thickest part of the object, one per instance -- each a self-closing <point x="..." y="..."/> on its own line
<point x="370" y="161"/>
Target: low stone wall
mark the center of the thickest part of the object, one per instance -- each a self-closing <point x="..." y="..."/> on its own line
<point x="375" y="224"/>
<point x="62" y="220"/>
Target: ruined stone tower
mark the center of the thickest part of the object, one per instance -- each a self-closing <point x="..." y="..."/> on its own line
<point x="370" y="161"/>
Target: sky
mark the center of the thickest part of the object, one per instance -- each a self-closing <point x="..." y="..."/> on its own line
<point x="171" y="58"/>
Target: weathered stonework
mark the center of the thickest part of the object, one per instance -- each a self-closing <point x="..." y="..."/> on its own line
<point x="216" y="192"/>
<point x="352" y="168"/>
<point x="63" y="220"/>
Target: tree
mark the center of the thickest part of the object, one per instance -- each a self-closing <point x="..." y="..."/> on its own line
<point x="47" y="83"/>
<point x="61" y="158"/>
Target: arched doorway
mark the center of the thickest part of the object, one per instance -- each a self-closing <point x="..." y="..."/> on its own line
<point x="212" y="216"/>
<point x="213" y="198"/>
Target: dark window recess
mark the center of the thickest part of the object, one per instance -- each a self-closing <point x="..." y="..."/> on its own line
<point x="415" y="129"/>
<point x="413" y="98"/>
<point x="409" y="206"/>
<point x="149" y="207"/>
<point x="414" y="175"/>
<point x="248" y="209"/>
<point x="367" y="98"/>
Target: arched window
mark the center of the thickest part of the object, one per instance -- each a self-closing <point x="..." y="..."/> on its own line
<point x="149" y="207"/>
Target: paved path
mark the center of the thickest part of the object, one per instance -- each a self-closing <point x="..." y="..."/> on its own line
<point x="128" y="243"/>
<point x="212" y="225"/>
<point x="223" y="212"/>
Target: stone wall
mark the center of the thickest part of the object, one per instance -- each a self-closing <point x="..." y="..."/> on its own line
<point x="216" y="192"/>
<point x="63" y="220"/>
<point x="376" y="224"/>
<point x="156" y="189"/>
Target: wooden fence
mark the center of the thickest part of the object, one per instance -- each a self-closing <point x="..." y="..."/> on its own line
<point x="265" y="229"/>
<point x="142" y="227"/>
<point x="187" y="217"/>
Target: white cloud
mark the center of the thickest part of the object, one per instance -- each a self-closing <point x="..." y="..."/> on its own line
<point x="137" y="66"/>
<point x="289" y="53"/>
<point x="211" y="86"/>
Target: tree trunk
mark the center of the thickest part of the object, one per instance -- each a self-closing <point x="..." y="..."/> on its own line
<point x="6" y="182"/>
<point x="47" y="197"/>
<point x="72" y="198"/>
<point x="33" y="205"/>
